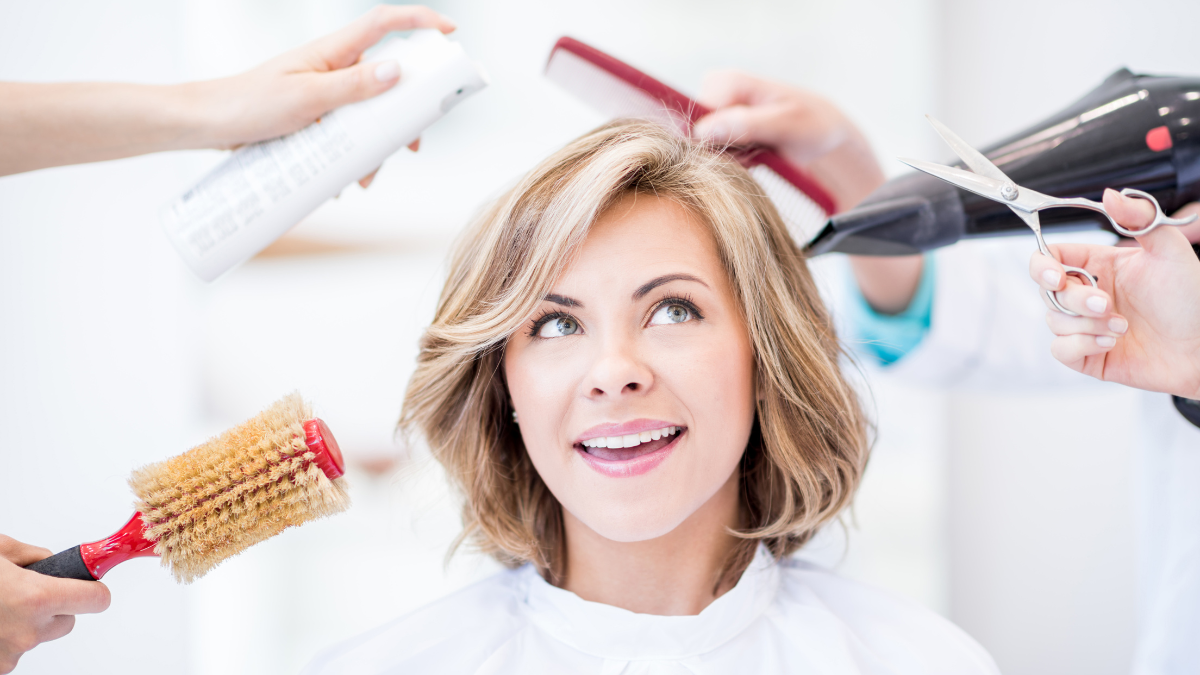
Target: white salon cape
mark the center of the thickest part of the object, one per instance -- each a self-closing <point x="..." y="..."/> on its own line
<point x="986" y="329"/>
<point x="786" y="617"/>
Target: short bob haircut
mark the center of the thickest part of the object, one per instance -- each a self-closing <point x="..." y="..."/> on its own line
<point x="808" y="447"/>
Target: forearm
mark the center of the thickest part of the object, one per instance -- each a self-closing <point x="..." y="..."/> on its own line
<point x="887" y="283"/>
<point x="44" y="125"/>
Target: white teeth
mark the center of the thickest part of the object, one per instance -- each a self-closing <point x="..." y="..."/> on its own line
<point x="630" y="440"/>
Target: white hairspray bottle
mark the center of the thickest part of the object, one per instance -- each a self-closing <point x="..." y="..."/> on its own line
<point x="263" y="190"/>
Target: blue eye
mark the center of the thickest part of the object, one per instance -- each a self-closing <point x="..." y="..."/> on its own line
<point x="559" y="327"/>
<point x="670" y="313"/>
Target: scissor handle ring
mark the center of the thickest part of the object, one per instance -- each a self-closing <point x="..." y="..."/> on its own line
<point x="1160" y="218"/>
<point x="1053" y="295"/>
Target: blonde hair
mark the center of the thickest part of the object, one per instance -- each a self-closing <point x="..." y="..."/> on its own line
<point x="809" y="445"/>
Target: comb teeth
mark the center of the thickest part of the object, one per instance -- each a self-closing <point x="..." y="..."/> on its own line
<point x="803" y="216"/>
<point x="244" y="486"/>
<point x="609" y="94"/>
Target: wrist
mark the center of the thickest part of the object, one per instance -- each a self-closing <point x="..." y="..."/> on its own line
<point x="198" y="115"/>
<point x="849" y="171"/>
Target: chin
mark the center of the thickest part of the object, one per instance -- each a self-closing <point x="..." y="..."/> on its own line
<point x="645" y="520"/>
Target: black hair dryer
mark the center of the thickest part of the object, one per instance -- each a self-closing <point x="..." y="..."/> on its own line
<point x="1138" y="131"/>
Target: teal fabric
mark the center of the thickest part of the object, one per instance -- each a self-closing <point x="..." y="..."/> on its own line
<point x="888" y="338"/>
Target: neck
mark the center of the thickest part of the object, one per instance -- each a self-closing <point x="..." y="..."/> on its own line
<point x="672" y="575"/>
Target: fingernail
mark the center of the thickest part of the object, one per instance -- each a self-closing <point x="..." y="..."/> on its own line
<point x="387" y="71"/>
<point x="1051" y="277"/>
<point x="1097" y="304"/>
<point x="1118" y="325"/>
<point x="1106" y="340"/>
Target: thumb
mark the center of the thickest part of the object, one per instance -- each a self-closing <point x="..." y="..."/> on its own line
<point x="356" y="83"/>
<point x="19" y="553"/>
<point x="1135" y="214"/>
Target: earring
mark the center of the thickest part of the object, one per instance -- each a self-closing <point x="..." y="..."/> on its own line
<point x="515" y="417"/>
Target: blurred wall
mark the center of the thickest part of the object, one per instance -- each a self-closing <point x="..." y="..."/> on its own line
<point x="113" y="356"/>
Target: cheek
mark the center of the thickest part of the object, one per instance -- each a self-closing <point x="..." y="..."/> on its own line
<point x="540" y="383"/>
<point x="714" y="378"/>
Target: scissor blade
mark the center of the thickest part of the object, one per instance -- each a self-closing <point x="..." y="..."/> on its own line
<point x="969" y="155"/>
<point x="980" y="185"/>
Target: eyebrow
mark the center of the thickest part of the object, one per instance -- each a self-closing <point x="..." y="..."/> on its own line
<point x="664" y="279"/>
<point x="562" y="300"/>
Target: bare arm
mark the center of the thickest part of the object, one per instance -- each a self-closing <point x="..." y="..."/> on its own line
<point x="44" y="125"/>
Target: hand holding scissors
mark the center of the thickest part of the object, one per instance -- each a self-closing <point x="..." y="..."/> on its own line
<point x="987" y="180"/>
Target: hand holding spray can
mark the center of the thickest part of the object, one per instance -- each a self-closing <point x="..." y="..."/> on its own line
<point x="264" y="189"/>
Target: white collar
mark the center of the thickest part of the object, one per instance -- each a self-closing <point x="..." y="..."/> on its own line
<point x="614" y="633"/>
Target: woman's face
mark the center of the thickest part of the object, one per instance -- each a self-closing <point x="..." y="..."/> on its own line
<point x="634" y="380"/>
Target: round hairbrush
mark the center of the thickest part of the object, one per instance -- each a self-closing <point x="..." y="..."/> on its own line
<point x="277" y="470"/>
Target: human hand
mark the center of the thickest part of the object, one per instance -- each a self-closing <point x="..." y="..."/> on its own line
<point x="804" y="128"/>
<point x="35" y="608"/>
<point x="292" y="90"/>
<point x="1141" y="327"/>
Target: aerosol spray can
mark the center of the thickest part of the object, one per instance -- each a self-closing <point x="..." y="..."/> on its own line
<point x="262" y="190"/>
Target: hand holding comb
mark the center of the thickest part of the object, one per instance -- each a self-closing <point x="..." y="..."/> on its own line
<point x="617" y="89"/>
<point x="274" y="471"/>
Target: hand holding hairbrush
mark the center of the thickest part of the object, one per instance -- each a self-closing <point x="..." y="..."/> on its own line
<point x="279" y="469"/>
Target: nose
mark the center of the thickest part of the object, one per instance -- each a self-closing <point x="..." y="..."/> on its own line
<point x="618" y="371"/>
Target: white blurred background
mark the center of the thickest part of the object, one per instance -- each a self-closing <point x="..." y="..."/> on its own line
<point x="1009" y="512"/>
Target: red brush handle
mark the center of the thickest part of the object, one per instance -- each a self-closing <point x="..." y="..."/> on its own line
<point x="128" y="542"/>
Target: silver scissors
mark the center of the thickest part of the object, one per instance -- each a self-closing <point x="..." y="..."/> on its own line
<point x="989" y="181"/>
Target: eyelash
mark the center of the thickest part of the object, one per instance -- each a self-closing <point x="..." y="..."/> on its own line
<point x="546" y="317"/>
<point x="684" y="300"/>
<point x="549" y="315"/>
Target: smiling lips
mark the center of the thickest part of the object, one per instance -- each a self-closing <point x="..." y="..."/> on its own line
<point x="628" y="449"/>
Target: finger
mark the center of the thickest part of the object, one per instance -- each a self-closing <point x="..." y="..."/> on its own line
<point x="366" y="180"/>
<point x="57" y="627"/>
<point x="1062" y="324"/>
<point x="1129" y="212"/>
<point x="1085" y="300"/>
<point x="1192" y="232"/>
<point x="356" y="83"/>
<point x="1071" y="350"/>
<point x="21" y="554"/>
<point x="343" y="47"/>
<point x="1172" y="241"/>
<point x="723" y="88"/>
<point x="1047" y="271"/>
<point x="793" y="124"/>
<point x="71" y="596"/>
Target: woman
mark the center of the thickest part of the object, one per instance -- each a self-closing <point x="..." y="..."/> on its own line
<point x="633" y="383"/>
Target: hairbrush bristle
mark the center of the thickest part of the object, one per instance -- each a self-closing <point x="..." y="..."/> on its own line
<point x="244" y="486"/>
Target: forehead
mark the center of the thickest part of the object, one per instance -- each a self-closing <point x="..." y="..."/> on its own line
<point x="642" y="234"/>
